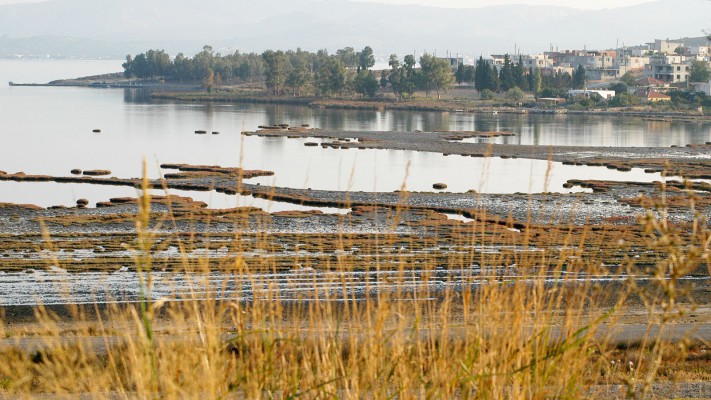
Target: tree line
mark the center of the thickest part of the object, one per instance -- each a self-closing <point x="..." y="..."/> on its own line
<point x="231" y="68"/>
<point x="514" y="77"/>
<point x="347" y="72"/>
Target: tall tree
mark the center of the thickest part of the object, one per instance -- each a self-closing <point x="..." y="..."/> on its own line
<point x="366" y="60"/>
<point x="435" y="74"/>
<point x="485" y="76"/>
<point x="506" y="75"/>
<point x="493" y="79"/>
<point x="203" y="62"/>
<point x="402" y="77"/>
<point x="127" y="66"/>
<point x="579" y="77"/>
<point x="331" y="77"/>
<point x="537" y="82"/>
<point x="366" y="84"/>
<point x="699" y="71"/>
<point x="464" y="74"/>
<point x="299" y="77"/>
<point x="275" y="63"/>
<point x="383" y="79"/>
<point x="348" y="57"/>
<point x="182" y="68"/>
<point x="459" y="75"/>
<point x="394" y="62"/>
<point x="519" y="74"/>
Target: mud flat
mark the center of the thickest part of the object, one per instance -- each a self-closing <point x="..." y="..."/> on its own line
<point x="441" y="142"/>
<point x="613" y="210"/>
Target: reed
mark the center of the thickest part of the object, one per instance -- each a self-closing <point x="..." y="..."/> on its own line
<point x="514" y="324"/>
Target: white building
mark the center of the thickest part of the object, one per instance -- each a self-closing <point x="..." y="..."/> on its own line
<point x="666" y="46"/>
<point x="704" y="87"/>
<point x="628" y="63"/>
<point x="667" y="68"/>
<point x="605" y="94"/>
<point x="702" y="51"/>
<point x="536" y="61"/>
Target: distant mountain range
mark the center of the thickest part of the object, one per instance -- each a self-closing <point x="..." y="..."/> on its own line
<point x="111" y="29"/>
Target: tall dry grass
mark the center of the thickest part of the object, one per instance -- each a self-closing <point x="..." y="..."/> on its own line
<point x="537" y="326"/>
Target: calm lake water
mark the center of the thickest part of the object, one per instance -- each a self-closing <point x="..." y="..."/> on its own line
<point x="49" y="131"/>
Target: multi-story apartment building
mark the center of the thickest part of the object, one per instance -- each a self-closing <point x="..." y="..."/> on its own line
<point x="536" y="61"/>
<point x="628" y="62"/>
<point x="667" y="68"/>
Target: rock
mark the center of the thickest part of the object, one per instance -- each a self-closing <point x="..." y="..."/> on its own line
<point x="439" y="186"/>
<point x="97" y="172"/>
<point x="171" y="166"/>
<point x="81" y="203"/>
<point x="3" y="173"/>
<point x="76" y="171"/>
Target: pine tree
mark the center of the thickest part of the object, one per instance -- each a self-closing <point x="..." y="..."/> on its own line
<point x="506" y="76"/>
<point x="579" y="77"/>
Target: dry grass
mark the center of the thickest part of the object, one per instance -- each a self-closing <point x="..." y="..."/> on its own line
<point x="536" y="327"/>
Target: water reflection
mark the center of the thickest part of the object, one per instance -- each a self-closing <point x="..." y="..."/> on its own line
<point x="533" y="129"/>
<point x="138" y="96"/>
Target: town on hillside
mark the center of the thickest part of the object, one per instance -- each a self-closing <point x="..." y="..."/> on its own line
<point x="647" y="71"/>
<point x="663" y="73"/>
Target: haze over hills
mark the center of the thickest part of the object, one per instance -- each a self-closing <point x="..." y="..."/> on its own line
<point x="106" y="28"/>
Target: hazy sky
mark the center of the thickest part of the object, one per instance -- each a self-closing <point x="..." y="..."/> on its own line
<point x="477" y="3"/>
<point x="481" y="3"/>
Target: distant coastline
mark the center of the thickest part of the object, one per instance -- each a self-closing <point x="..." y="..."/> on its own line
<point x="194" y="92"/>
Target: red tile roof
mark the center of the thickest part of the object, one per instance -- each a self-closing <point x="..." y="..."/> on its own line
<point x="653" y="94"/>
<point x="647" y="81"/>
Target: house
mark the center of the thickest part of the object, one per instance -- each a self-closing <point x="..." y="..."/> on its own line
<point x="536" y="61"/>
<point x="605" y="94"/>
<point x="702" y="51"/>
<point x="628" y="63"/>
<point x="648" y="84"/>
<point x="651" y="82"/>
<point x="666" y="46"/>
<point x="550" y="100"/>
<point x="453" y="62"/>
<point x="654" y="96"/>
<point x="704" y="87"/>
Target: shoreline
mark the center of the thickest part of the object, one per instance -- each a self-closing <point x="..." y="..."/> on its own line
<point x="193" y="92"/>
